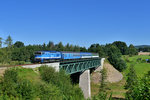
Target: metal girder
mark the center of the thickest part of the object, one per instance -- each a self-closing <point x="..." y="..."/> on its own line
<point x="79" y="65"/>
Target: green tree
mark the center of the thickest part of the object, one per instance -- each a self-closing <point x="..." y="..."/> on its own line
<point x="44" y="46"/>
<point x="18" y="44"/>
<point x="20" y="54"/>
<point x="131" y="78"/>
<point x="76" y="48"/>
<point x="121" y="46"/>
<point x="50" y="45"/>
<point x="1" y="42"/>
<point x="115" y="58"/>
<point x="60" y="46"/>
<point x="67" y="47"/>
<point x="97" y="49"/>
<point x="83" y="49"/>
<point x="9" y="41"/>
<point x="132" y="50"/>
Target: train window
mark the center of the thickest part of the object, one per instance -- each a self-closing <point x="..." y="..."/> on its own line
<point x="38" y="53"/>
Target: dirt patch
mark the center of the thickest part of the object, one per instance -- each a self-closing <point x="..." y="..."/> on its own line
<point x="96" y="77"/>
<point x="113" y="75"/>
<point x="144" y="53"/>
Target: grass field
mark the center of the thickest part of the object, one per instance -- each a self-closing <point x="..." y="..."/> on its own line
<point x="140" y="64"/>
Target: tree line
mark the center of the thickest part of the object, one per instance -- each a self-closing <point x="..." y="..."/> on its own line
<point x="18" y="53"/>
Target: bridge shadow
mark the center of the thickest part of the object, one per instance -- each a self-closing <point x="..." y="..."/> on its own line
<point x="75" y="78"/>
<point x="115" y="98"/>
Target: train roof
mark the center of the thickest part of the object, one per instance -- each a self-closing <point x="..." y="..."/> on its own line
<point x="65" y="51"/>
<point x="72" y="52"/>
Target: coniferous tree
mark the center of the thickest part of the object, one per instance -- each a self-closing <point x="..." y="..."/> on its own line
<point x="131" y="78"/>
<point x="1" y="42"/>
<point x="50" y="45"/>
<point x="9" y="41"/>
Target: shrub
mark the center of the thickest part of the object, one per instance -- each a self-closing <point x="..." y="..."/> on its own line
<point x="62" y="81"/>
<point x="49" y="92"/>
<point x="8" y="84"/>
<point x="48" y="74"/>
<point x="140" y="91"/>
<point x="14" y="62"/>
<point x="14" y="87"/>
<point x="139" y="59"/>
<point x="26" y="90"/>
<point x="21" y="62"/>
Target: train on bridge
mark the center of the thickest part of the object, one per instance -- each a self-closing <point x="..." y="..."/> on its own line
<point x="51" y="56"/>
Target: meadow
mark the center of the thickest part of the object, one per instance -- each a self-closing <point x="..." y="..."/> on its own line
<point x="140" y="65"/>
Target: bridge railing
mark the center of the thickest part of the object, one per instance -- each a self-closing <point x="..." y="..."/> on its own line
<point x="75" y="66"/>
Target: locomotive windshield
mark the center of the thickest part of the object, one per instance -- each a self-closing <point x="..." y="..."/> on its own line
<point x="38" y="53"/>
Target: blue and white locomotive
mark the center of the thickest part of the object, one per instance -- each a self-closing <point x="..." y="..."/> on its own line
<point x="49" y="56"/>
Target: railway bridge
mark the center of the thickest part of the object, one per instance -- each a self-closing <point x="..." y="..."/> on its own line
<point x="81" y="66"/>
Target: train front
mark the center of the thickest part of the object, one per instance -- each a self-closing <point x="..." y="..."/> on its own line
<point x="38" y="56"/>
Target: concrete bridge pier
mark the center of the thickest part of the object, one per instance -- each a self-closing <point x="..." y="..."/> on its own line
<point x="84" y="83"/>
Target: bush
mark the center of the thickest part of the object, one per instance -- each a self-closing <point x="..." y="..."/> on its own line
<point x="139" y="59"/>
<point x="14" y="62"/>
<point x="140" y="91"/>
<point x="26" y="90"/>
<point x="49" y="92"/>
<point x="62" y="81"/>
<point x="143" y="61"/>
<point x="21" y="62"/>
<point x="48" y="74"/>
<point x="55" y="86"/>
<point x="13" y="87"/>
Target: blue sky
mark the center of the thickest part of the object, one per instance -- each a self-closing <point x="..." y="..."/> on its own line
<point x="78" y="22"/>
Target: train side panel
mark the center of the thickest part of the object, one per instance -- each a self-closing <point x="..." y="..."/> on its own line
<point x="71" y="55"/>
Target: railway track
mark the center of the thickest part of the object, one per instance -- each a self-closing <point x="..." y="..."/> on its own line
<point x="7" y="66"/>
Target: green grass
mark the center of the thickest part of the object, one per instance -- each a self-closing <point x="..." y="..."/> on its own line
<point x="141" y="66"/>
<point x="29" y="74"/>
<point x="117" y="89"/>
